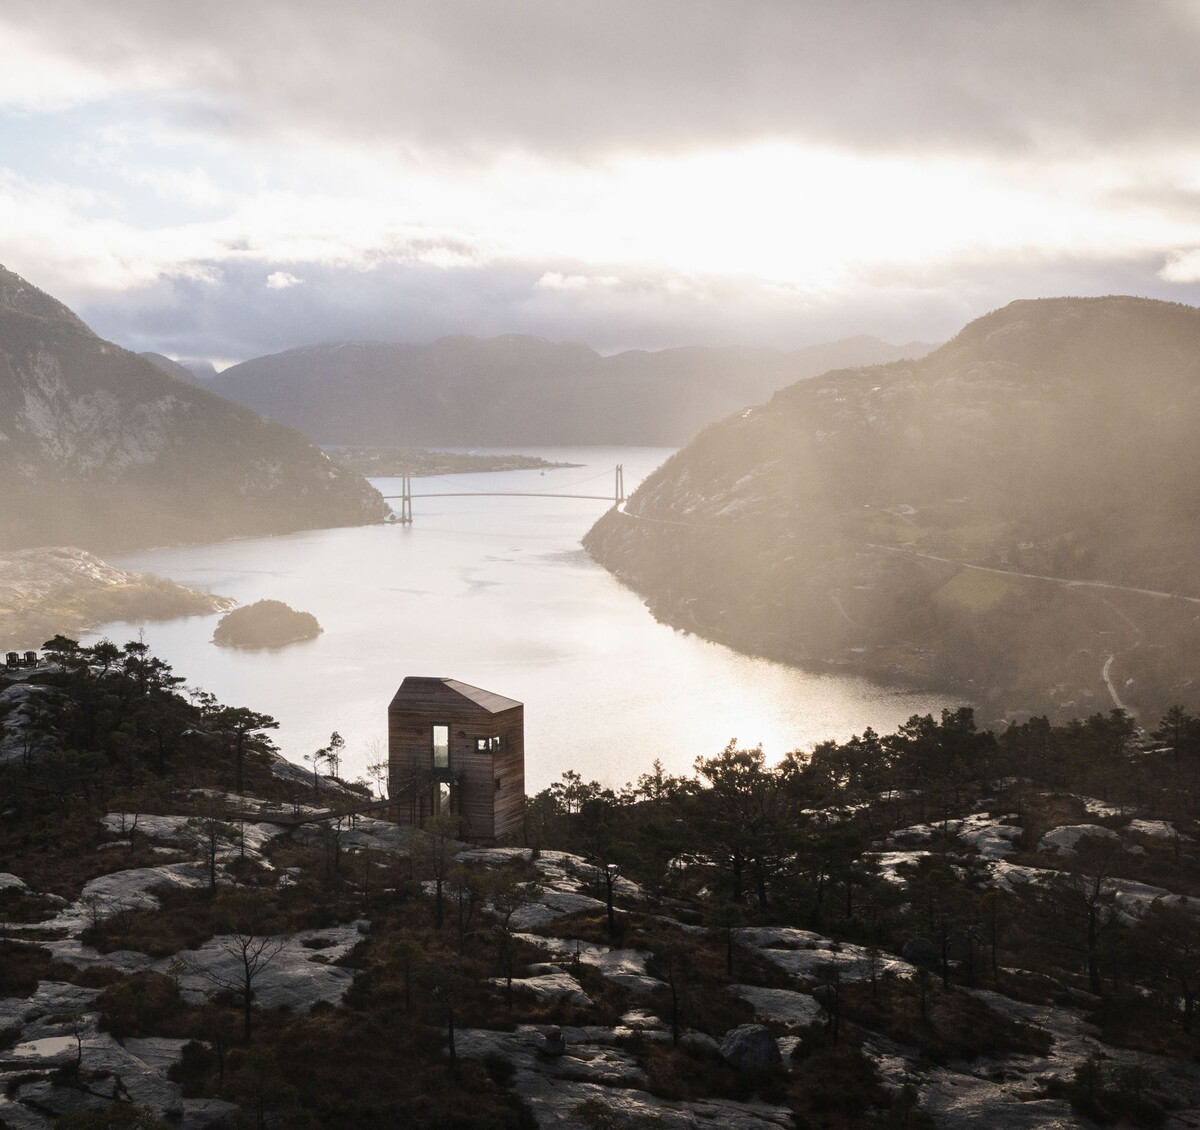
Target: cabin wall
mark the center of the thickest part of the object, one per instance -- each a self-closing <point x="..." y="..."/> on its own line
<point x="508" y="765"/>
<point x="484" y="812"/>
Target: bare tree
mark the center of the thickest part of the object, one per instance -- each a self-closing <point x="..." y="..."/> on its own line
<point x="209" y="831"/>
<point x="377" y="768"/>
<point x="506" y="895"/>
<point x="1166" y="942"/>
<point x="77" y="1025"/>
<point x="1081" y="905"/>
<point x="439" y="835"/>
<point x="408" y="953"/>
<point x="252" y="953"/>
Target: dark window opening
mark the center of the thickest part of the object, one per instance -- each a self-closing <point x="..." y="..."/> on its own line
<point x="440" y="800"/>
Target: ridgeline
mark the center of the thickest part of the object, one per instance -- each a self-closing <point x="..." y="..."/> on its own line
<point x="1015" y="517"/>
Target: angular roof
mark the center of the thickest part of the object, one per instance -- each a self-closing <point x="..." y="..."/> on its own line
<point x="424" y="693"/>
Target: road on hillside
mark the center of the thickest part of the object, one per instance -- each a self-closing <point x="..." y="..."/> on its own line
<point x="1067" y="581"/>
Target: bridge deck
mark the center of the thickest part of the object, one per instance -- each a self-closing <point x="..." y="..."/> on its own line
<point x="504" y="494"/>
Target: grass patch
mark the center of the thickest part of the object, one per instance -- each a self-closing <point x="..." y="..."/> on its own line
<point x="186" y="919"/>
<point x="23" y="966"/>
<point x="956" y="1025"/>
<point x="975" y="590"/>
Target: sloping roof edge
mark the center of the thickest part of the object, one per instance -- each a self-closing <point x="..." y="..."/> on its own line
<point x="423" y="691"/>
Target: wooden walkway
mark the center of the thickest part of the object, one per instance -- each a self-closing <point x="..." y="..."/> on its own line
<point x="294" y="819"/>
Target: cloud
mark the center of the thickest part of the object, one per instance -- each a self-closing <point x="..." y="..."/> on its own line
<point x="556" y="280"/>
<point x="416" y="302"/>
<point x="593" y="76"/>
<point x="281" y="280"/>
<point x="193" y="187"/>
<point x="1182" y="267"/>
<point x="607" y="170"/>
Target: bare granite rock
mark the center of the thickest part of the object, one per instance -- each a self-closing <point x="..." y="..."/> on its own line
<point x="549" y="983"/>
<point x="607" y="1079"/>
<point x="296" y="976"/>
<point x="1063" y="839"/>
<point x="61" y="589"/>
<point x="750" y="1047"/>
<point x="781" y="1006"/>
<point x="803" y="953"/>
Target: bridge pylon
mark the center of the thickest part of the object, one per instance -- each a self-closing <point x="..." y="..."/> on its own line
<point x="619" y="485"/>
<point x="405" y="516"/>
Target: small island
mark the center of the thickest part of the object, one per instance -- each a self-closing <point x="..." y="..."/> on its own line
<point x="265" y="623"/>
<point x="418" y="462"/>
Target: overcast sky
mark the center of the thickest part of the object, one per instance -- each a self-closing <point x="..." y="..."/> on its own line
<point x="226" y="179"/>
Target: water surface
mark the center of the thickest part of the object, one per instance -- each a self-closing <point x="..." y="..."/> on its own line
<point x="497" y="592"/>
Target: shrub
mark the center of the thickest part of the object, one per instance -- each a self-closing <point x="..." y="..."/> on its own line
<point x="141" y="1005"/>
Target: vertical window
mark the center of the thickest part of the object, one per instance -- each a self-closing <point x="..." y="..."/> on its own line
<point x="441" y="797"/>
<point x="441" y="747"/>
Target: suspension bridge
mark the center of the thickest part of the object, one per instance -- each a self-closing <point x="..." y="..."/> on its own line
<point x="404" y="514"/>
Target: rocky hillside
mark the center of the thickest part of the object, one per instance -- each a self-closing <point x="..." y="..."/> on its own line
<point x="99" y="448"/>
<point x="185" y="370"/>
<point x="929" y="928"/>
<point x="171" y="368"/>
<point x="521" y="390"/>
<point x="59" y="589"/>
<point x="985" y="517"/>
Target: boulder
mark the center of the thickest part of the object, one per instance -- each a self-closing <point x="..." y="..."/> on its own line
<point x="780" y="1006"/>
<point x="920" y="951"/>
<point x="1065" y="838"/>
<point x="750" y="1047"/>
<point x="701" y="1044"/>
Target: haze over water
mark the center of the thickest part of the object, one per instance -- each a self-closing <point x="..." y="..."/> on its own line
<point x="497" y="592"/>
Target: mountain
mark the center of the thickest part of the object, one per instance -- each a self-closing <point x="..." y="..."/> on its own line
<point x="520" y="390"/>
<point x="983" y="518"/>
<point x="185" y="369"/>
<point x="171" y="368"/>
<point x="99" y="448"/>
<point x="201" y="370"/>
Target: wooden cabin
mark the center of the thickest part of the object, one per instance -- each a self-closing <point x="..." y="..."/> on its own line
<point x="456" y="748"/>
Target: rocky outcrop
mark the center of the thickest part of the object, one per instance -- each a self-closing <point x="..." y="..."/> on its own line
<point x="750" y="1047"/>
<point x="1064" y="839"/>
<point x="63" y="590"/>
<point x="597" y="1079"/>
<point x="603" y="1073"/>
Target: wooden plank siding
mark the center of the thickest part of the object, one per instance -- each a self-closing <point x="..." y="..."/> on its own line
<point x="484" y="811"/>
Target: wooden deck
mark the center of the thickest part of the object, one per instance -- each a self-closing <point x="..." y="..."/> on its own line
<point x="292" y="819"/>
